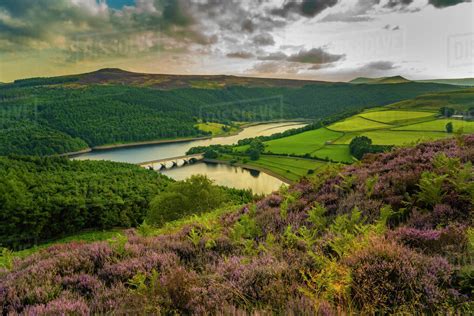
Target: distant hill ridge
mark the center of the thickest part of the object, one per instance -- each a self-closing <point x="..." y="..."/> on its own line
<point x="467" y="82"/>
<point x="166" y="81"/>
<point x="382" y="80"/>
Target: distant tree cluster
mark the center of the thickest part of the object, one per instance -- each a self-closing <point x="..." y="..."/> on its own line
<point x="192" y="196"/>
<point x="447" y="111"/>
<point x="255" y="149"/>
<point x="361" y="145"/>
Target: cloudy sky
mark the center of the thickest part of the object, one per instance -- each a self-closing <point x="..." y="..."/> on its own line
<point x="334" y="40"/>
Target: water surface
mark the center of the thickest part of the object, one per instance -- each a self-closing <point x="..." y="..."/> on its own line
<point x="230" y="176"/>
<point x="163" y="151"/>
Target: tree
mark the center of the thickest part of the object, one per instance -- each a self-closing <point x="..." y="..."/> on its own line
<point x="211" y="154"/>
<point x="255" y="149"/>
<point x="359" y="146"/>
<point x="449" y="127"/>
<point x="192" y="196"/>
<point x="445" y="111"/>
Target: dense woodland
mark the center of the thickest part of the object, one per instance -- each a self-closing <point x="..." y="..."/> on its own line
<point x="44" y="198"/>
<point x="80" y="116"/>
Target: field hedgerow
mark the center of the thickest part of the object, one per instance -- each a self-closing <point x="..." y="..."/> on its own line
<point x="363" y="239"/>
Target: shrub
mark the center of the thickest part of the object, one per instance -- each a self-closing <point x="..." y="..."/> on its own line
<point x="387" y="277"/>
<point x="60" y="306"/>
<point x="192" y="196"/>
<point x="450" y="242"/>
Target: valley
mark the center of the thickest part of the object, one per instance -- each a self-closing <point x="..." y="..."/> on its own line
<point x="303" y="174"/>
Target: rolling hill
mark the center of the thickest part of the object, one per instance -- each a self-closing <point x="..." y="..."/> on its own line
<point x="116" y="76"/>
<point x="382" y="80"/>
<point x="455" y="82"/>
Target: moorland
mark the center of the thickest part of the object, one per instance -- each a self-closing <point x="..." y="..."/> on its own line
<point x="378" y="219"/>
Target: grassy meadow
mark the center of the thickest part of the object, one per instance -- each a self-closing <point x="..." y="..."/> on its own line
<point x="216" y="129"/>
<point x="289" y="167"/>
<point x="399" y="124"/>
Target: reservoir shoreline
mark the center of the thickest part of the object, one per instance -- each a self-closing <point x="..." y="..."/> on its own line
<point x="250" y="167"/>
<point x="173" y="141"/>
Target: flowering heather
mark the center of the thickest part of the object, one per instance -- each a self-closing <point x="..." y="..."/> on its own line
<point x="364" y="239"/>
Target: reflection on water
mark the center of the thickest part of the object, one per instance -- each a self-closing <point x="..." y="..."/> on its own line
<point x="229" y="176"/>
<point x="162" y="151"/>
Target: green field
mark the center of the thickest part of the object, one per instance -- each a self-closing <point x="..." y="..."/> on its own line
<point x="403" y="123"/>
<point x="356" y="123"/>
<point x="334" y="152"/>
<point x="304" y="143"/>
<point x="438" y="126"/>
<point x="397" y="138"/>
<point x="393" y="117"/>
<point x="216" y="129"/>
<point x="288" y="167"/>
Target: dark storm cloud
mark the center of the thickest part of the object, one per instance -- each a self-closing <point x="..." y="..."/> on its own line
<point x="314" y="56"/>
<point x="379" y="65"/>
<point x="263" y="39"/>
<point x="446" y="3"/>
<point x="240" y="54"/>
<point x="435" y="3"/>
<point x="307" y="8"/>
<point x="395" y="3"/>
<point x="274" y="56"/>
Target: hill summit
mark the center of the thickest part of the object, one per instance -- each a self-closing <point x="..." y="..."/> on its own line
<point x="381" y="80"/>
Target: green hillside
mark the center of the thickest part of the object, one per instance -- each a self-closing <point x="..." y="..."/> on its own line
<point x="71" y="113"/>
<point x="399" y="124"/>
<point x="455" y="82"/>
<point x="391" y="235"/>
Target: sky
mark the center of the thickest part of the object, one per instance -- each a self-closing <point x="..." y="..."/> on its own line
<point x="331" y="40"/>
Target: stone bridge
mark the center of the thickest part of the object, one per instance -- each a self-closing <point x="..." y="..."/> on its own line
<point x="171" y="162"/>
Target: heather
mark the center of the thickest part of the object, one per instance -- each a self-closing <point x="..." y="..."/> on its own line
<point x="391" y="234"/>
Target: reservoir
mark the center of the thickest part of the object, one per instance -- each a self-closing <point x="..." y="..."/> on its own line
<point x="230" y="176"/>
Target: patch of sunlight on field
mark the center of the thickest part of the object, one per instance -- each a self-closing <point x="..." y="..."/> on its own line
<point x="356" y="123"/>
<point x="288" y="167"/>
<point x="215" y="128"/>
<point x="389" y="137"/>
<point x="300" y="144"/>
<point x="438" y="126"/>
<point x="396" y="116"/>
<point x="340" y="153"/>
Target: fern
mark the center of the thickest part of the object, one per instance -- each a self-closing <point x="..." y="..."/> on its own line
<point x="431" y="188"/>
<point x="370" y="185"/>
<point x="195" y="237"/>
<point x="317" y="218"/>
